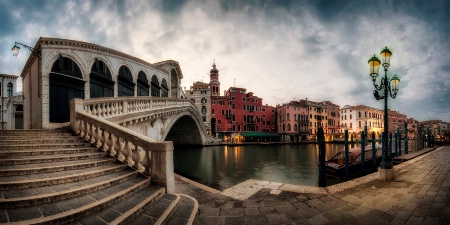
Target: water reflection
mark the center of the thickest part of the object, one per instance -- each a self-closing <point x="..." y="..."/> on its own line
<point x="223" y="166"/>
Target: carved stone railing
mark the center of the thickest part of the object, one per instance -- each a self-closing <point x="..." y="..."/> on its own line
<point x="153" y="158"/>
<point x="110" y="107"/>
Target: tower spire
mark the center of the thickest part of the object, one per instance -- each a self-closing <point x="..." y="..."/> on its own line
<point x="214" y="80"/>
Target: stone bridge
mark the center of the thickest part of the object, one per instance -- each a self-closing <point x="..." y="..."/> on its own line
<point x="161" y="119"/>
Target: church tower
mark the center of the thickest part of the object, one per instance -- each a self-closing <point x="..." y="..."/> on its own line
<point x="214" y="80"/>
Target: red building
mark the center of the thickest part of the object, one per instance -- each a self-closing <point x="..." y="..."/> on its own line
<point x="240" y="116"/>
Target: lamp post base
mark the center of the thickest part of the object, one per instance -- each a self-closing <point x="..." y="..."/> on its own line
<point x="386" y="174"/>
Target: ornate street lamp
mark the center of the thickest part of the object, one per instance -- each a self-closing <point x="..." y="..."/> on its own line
<point x="15" y="50"/>
<point x="390" y="87"/>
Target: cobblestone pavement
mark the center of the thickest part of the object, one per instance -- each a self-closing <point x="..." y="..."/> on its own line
<point x="419" y="195"/>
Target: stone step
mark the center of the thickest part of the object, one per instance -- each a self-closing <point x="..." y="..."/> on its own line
<point x="170" y="209"/>
<point x="157" y="212"/>
<point x="30" y="133"/>
<point x="45" y="146"/>
<point x="27" y="169"/>
<point x="18" y="136"/>
<point x="20" y="160"/>
<point x="55" y="151"/>
<point x="51" y="178"/>
<point x="74" y="209"/>
<point x="39" y="195"/>
<point x="127" y="210"/>
<point x="45" y="140"/>
<point x="41" y="140"/>
<point x="185" y="212"/>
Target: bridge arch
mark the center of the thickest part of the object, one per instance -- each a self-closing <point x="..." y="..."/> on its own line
<point x="181" y="130"/>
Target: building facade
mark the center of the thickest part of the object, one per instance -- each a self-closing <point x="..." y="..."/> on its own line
<point x="59" y="70"/>
<point x="238" y="115"/>
<point x="323" y="114"/>
<point x="7" y="111"/>
<point x="292" y="121"/>
<point x="355" y="118"/>
<point x="200" y="94"/>
<point x="396" y="121"/>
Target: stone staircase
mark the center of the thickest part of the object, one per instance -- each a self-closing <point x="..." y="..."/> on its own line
<point x="54" y="177"/>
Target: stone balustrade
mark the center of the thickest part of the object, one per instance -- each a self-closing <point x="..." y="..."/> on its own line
<point x="153" y="158"/>
<point x="110" y="107"/>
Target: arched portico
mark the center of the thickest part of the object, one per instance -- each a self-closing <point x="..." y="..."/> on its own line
<point x="182" y="132"/>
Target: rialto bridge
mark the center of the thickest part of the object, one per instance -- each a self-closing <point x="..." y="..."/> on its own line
<point x="113" y="86"/>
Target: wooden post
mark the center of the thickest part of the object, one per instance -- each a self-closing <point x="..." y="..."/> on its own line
<point x="363" y="150"/>
<point x="374" y="151"/>
<point x="405" y="129"/>
<point x="346" y="153"/>
<point x="322" y="152"/>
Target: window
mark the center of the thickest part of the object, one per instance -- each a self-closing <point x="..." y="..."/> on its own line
<point x="10" y="90"/>
<point x="350" y="116"/>
<point x="212" y="111"/>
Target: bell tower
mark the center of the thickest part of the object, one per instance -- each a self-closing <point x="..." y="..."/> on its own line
<point x="214" y="80"/>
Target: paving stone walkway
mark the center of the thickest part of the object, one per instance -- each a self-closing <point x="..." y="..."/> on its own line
<point x="420" y="194"/>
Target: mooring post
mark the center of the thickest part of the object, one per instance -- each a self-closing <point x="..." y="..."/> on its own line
<point x="423" y="141"/>
<point x="322" y="152"/>
<point x="395" y="143"/>
<point x="390" y="145"/>
<point x="346" y="153"/>
<point x="363" y="151"/>
<point x="418" y="138"/>
<point x="429" y="138"/>
<point x="365" y="137"/>
<point x="405" y="131"/>
<point x="351" y="142"/>
<point x="399" y="142"/>
<point x="374" y="151"/>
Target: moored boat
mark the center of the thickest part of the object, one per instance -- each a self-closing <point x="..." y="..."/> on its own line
<point x="336" y="165"/>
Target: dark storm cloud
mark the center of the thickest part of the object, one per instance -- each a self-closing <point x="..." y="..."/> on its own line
<point x="279" y="50"/>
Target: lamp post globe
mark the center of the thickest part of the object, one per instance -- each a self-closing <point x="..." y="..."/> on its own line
<point x="15" y="50"/>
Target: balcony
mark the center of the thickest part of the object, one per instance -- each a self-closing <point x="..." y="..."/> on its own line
<point x="228" y="116"/>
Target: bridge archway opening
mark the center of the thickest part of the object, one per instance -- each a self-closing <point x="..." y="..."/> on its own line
<point x="185" y="131"/>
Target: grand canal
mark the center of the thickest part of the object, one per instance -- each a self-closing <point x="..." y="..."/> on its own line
<point x="221" y="167"/>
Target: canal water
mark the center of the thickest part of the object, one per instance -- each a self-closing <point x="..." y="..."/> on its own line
<point x="222" y="167"/>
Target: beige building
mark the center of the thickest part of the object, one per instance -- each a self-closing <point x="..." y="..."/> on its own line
<point x="200" y="94"/>
<point x="7" y="110"/>
<point x="323" y="114"/>
<point x="355" y="118"/>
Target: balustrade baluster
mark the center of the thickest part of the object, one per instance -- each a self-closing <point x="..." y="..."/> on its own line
<point x="94" y="110"/>
<point x="137" y="158"/>
<point x="77" y="126"/>
<point x="99" y="109"/>
<point x="87" y="109"/>
<point x="92" y="134"/>
<point x="85" y="131"/>
<point x="146" y="162"/>
<point x="111" y="144"/>
<point x="108" y="109"/>
<point x="113" y="108"/>
<point x="127" y="152"/>
<point x="102" y="139"/>
<point x="119" y="149"/>
<point x="120" y="107"/>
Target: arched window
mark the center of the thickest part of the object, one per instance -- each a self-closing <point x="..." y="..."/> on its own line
<point x="359" y="114"/>
<point x="295" y="127"/>
<point x="9" y="90"/>
<point x="155" y="88"/>
<point x="66" y="82"/>
<point x="142" y="85"/>
<point x="101" y="83"/>
<point x="288" y="117"/>
<point x="164" y="88"/>
<point x="289" y="127"/>
<point x="203" y="100"/>
<point x="125" y="82"/>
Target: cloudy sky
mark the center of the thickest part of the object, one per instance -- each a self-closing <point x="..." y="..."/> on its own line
<point x="280" y="50"/>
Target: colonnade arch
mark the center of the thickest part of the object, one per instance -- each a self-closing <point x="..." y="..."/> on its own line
<point x="65" y="82"/>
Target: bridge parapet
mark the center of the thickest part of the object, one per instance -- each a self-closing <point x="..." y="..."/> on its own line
<point x="153" y="158"/>
<point x="111" y="107"/>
